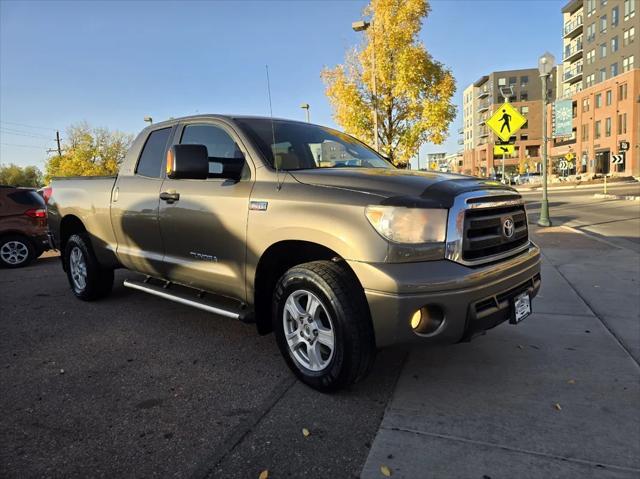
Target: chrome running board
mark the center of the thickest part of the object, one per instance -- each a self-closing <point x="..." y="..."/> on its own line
<point x="194" y="302"/>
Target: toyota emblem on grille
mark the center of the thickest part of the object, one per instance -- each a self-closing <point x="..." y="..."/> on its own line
<point x="508" y="228"/>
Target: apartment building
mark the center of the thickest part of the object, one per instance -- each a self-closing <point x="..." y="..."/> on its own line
<point x="523" y="88"/>
<point x="601" y="60"/>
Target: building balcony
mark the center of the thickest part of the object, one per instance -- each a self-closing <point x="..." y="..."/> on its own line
<point x="483" y="93"/>
<point x="460" y="141"/>
<point x="573" y="52"/>
<point x="483" y="106"/>
<point x="461" y="130"/>
<point x="573" y="74"/>
<point x="573" y="27"/>
<point x="481" y="121"/>
<point x="483" y="132"/>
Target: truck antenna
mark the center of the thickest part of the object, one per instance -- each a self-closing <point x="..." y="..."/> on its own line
<point x="273" y="133"/>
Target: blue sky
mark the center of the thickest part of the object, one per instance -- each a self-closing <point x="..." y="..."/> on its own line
<point x="113" y="63"/>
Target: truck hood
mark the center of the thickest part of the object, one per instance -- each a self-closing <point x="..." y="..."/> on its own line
<point x="399" y="187"/>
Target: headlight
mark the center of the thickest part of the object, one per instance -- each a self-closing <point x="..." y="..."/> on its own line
<point x="408" y="225"/>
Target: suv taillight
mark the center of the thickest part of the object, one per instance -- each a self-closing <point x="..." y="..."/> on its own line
<point x="36" y="213"/>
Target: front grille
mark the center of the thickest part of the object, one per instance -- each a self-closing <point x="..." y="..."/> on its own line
<point x="484" y="235"/>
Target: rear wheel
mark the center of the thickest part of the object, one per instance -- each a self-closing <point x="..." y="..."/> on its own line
<point x="88" y="280"/>
<point x="16" y="251"/>
<point x="322" y="325"/>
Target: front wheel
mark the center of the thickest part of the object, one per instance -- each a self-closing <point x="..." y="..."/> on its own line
<point x="88" y="280"/>
<point x="322" y="325"/>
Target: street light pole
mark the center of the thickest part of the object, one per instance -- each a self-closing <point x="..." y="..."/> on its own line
<point x="545" y="65"/>
<point x="305" y="106"/>
<point x="361" y="26"/>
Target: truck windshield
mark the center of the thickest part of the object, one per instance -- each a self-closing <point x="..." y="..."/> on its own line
<point x="301" y="146"/>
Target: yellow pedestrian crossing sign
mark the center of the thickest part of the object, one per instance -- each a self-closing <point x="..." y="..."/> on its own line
<point x="506" y="121"/>
<point x="503" y="150"/>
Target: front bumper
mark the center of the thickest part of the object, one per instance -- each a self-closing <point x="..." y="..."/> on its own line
<point x="473" y="299"/>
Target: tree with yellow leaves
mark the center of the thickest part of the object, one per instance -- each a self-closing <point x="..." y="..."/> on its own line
<point x="89" y="152"/>
<point x="413" y="91"/>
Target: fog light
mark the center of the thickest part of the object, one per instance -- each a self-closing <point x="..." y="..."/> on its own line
<point x="428" y="320"/>
<point x="415" y="319"/>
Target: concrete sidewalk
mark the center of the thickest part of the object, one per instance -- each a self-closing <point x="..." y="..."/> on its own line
<point x="556" y="396"/>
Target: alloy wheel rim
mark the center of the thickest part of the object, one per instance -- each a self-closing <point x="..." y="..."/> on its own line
<point x="308" y="330"/>
<point x="78" y="268"/>
<point x="14" y="252"/>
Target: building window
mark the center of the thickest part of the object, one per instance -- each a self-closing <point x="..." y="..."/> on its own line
<point x="628" y="36"/>
<point x="524" y="96"/>
<point x="524" y="137"/>
<point x="603" y="74"/>
<point x="622" y="92"/>
<point x="629" y="9"/>
<point x="502" y="82"/>
<point x="591" y="79"/>
<point x="608" y="98"/>
<point x="591" y="32"/>
<point x="607" y="127"/>
<point x="591" y="7"/>
<point x="627" y="63"/>
<point x="614" y="69"/>
<point x="524" y="81"/>
<point x="524" y="110"/>
<point x="622" y="124"/>
<point x="525" y="126"/>
<point x="596" y="129"/>
<point x="614" y="44"/>
<point x="598" y="99"/>
<point x="603" y="24"/>
<point x="603" y="3"/>
<point x="615" y="17"/>
<point x="585" y="104"/>
<point x="513" y="80"/>
<point x="591" y="56"/>
<point x="603" y="50"/>
<point x="585" y="132"/>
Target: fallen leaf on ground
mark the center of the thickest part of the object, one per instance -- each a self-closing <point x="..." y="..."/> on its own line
<point x="571" y="381"/>
<point x="385" y="471"/>
<point x="305" y="432"/>
<point x="557" y="406"/>
<point x="264" y="474"/>
<point x="62" y="371"/>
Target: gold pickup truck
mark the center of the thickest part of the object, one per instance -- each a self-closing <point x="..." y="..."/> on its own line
<point x="305" y="231"/>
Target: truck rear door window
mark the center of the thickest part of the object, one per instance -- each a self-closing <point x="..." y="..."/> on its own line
<point x="150" y="163"/>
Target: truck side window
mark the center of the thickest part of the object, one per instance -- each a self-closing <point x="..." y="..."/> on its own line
<point x="224" y="153"/>
<point x="150" y="162"/>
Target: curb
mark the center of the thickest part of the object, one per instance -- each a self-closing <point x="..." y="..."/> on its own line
<point x="617" y="197"/>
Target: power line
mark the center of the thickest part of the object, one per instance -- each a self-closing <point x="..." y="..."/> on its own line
<point x="28" y="126"/>
<point x="24" y="146"/>
<point x="9" y="131"/>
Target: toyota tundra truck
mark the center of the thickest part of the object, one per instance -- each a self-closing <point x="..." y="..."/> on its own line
<point x="304" y="231"/>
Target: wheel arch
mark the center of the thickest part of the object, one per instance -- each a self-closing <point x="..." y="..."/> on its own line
<point x="273" y="263"/>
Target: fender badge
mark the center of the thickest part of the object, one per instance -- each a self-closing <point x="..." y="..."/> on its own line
<point x="258" y="205"/>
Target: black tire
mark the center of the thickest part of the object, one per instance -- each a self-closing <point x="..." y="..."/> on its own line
<point x="98" y="281"/>
<point x="343" y="299"/>
<point x="13" y="249"/>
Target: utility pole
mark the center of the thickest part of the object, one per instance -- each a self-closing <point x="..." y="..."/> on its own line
<point x="361" y="26"/>
<point x="58" y="141"/>
<point x="59" y="148"/>
<point x="305" y="106"/>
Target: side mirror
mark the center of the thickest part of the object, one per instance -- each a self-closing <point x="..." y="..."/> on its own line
<point x="188" y="162"/>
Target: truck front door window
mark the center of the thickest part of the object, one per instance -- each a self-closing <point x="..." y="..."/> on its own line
<point x="224" y="154"/>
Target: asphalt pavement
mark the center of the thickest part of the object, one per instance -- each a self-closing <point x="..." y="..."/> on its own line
<point x="135" y="386"/>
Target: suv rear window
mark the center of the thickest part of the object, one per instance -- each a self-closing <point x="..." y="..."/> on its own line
<point x="26" y="197"/>
<point x="150" y="162"/>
